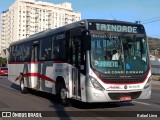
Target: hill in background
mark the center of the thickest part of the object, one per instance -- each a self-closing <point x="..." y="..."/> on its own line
<point x="154" y="46"/>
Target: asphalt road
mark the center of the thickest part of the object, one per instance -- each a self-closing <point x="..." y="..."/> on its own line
<point x="12" y="100"/>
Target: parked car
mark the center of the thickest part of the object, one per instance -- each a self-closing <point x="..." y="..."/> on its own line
<point x="3" y="71"/>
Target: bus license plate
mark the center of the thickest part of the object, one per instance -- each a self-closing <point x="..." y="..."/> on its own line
<point x="125" y="98"/>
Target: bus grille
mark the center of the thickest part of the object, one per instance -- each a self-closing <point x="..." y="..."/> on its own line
<point x="134" y="79"/>
<point x="116" y="96"/>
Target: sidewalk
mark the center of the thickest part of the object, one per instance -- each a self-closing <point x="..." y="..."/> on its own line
<point x="155" y="82"/>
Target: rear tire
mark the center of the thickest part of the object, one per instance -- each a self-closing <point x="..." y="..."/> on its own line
<point x="23" y="89"/>
<point x="62" y="95"/>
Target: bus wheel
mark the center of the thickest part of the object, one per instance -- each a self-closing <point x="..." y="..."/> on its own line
<point x="63" y="95"/>
<point x="22" y="87"/>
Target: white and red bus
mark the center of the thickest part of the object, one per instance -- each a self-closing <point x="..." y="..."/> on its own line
<point x="89" y="60"/>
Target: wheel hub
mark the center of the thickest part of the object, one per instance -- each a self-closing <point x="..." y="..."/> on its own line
<point x="63" y="93"/>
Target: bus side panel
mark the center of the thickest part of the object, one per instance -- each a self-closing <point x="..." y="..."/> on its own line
<point x="14" y="72"/>
<point x="83" y="87"/>
<point x="46" y="74"/>
<point x="58" y="70"/>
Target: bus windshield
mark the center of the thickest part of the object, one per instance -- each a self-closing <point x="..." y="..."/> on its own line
<point x="111" y="54"/>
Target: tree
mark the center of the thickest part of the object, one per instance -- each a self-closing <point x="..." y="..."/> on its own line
<point x="3" y="62"/>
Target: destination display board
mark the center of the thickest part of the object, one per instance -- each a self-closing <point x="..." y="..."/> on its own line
<point x="116" y="27"/>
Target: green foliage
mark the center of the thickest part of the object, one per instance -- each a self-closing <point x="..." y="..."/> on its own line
<point x="3" y="62"/>
<point x="154" y="47"/>
<point x="154" y="43"/>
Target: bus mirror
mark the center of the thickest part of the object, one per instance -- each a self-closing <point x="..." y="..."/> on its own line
<point x="87" y="42"/>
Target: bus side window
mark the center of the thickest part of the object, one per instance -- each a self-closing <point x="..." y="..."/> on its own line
<point x="45" y="48"/>
<point x="56" y="52"/>
<point x="59" y="48"/>
<point x="26" y="53"/>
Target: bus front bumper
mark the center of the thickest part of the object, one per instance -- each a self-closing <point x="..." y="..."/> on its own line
<point x="94" y="95"/>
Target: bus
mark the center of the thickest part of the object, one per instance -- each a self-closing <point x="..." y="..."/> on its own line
<point x="89" y="60"/>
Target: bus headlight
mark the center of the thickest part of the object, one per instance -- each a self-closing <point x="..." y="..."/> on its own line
<point x="148" y="83"/>
<point x="96" y="84"/>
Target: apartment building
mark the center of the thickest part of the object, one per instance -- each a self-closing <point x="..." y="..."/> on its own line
<point x="26" y="17"/>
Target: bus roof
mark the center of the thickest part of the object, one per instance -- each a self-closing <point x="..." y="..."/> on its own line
<point x="68" y="27"/>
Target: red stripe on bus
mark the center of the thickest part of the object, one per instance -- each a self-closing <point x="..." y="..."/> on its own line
<point x="17" y="78"/>
<point x="39" y="76"/>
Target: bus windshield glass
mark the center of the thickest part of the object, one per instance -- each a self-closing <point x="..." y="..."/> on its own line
<point x="111" y="54"/>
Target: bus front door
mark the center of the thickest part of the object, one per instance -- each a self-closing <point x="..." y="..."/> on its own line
<point x="34" y="67"/>
<point x="76" y="61"/>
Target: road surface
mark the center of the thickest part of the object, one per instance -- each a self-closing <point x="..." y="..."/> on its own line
<point x="12" y="100"/>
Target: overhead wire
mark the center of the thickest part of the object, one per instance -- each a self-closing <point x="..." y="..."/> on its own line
<point x="150" y="19"/>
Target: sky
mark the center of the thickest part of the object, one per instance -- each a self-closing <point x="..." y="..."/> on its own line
<point x="146" y="11"/>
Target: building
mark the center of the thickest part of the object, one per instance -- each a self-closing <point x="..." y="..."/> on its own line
<point x="26" y="17"/>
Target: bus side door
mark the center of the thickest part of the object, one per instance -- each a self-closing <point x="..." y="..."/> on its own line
<point x="76" y="62"/>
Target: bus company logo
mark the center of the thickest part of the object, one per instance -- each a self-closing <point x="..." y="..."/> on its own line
<point x="114" y="87"/>
<point x="125" y="87"/>
<point x="134" y="86"/>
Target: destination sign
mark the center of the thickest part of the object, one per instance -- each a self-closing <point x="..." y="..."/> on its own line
<point x="107" y="63"/>
<point x="117" y="27"/>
